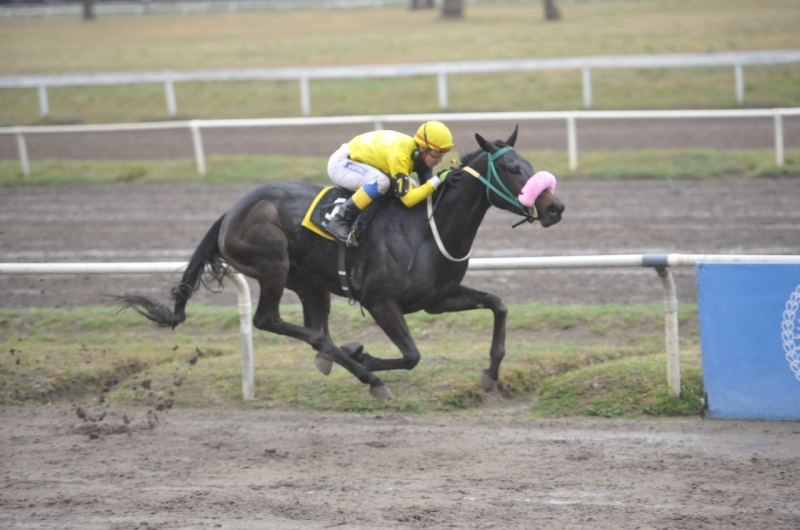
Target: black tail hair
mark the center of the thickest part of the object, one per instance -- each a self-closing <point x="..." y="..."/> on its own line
<point x="207" y="254"/>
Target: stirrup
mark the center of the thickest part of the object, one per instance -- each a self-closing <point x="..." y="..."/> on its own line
<point x="351" y="240"/>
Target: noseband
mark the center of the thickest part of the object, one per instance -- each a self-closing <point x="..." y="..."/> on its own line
<point x="530" y="215"/>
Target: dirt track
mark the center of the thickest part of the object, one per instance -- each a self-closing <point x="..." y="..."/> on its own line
<point x="273" y="470"/>
<point x="165" y="222"/>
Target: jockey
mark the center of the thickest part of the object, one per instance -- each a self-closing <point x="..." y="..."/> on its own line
<point x="373" y="162"/>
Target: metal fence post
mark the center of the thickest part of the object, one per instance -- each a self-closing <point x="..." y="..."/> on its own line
<point x="197" y="141"/>
<point x="44" y="105"/>
<point x="305" y="97"/>
<point x="23" y="152"/>
<point x="572" y="142"/>
<point x="671" y="332"/>
<point x="442" y="85"/>
<point x="245" y="335"/>
<point x="587" y="87"/>
<point x="779" y="140"/>
<point x="739" y="74"/>
<point x="169" y="91"/>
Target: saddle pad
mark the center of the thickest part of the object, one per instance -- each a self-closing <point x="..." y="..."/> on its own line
<point x="322" y="204"/>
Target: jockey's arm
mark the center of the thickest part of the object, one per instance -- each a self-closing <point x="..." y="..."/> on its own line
<point x="419" y="193"/>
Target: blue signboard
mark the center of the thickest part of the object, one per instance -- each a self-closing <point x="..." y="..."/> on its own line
<point x="750" y="339"/>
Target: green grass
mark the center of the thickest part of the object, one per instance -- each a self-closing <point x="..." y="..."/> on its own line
<point x="222" y="169"/>
<point x="52" y="45"/>
<point x="604" y="360"/>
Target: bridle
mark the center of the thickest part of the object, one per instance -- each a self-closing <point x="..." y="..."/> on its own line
<point x="530" y="214"/>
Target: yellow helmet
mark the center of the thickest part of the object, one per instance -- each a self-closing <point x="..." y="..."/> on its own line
<point x="434" y="135"/>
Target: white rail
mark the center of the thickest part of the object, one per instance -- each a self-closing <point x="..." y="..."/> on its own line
<point x="660" y="262"/>
<point x="145" y="7"/>
<point x="441" y="70"/>
<point x="378" y="122"/>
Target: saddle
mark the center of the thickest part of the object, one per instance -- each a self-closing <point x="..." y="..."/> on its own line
<point x="324" y="203"/>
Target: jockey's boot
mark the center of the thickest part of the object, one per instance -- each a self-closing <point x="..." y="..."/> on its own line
<point x="339" y="226"/>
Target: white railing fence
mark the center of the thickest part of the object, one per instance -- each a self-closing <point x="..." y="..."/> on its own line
<point x="660" y="262"/>
<point x="145" y="7"/>
<point x="183" y="7"/>
<point x="377" y="122"/>
<point x="441" y="70"/>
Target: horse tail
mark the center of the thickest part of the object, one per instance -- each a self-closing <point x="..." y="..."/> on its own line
<point x="207" y="254"/>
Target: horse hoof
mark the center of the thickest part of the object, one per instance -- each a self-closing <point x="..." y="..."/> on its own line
<point x="352" y="349"/>
<point x="323" y="364"/>
<point x="487" y="382"/>
<point x="381" y="392"/>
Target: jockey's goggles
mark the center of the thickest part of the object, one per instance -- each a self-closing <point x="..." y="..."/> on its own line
<point x="436" y="154"/>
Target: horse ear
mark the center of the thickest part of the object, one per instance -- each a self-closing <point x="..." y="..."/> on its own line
<point x="489" y="147"/>
<point x="513" y="138"/>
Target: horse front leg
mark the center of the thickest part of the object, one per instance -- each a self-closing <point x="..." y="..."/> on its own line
<point x="465" y="299"/>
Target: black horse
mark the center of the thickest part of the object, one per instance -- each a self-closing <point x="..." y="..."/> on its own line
<point x="403" y="263"/>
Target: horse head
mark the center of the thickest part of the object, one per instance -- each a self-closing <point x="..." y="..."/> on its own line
<point x="513" y="185"/>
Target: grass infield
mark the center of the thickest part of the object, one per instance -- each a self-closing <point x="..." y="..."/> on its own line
<point x="604" y="360"/>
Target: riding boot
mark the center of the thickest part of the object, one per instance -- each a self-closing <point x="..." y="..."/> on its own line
<point x="340" y="225"/>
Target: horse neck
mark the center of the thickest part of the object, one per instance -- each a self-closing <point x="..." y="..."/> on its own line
<point x="462" y="210"/>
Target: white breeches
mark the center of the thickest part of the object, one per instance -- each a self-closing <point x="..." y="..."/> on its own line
<point x="351" y="174"/>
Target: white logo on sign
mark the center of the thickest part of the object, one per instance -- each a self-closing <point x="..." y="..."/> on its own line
<point x="790" y="332"/>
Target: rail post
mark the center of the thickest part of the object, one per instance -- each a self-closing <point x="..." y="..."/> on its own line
<point x="587" y="87"/>
<point x="572" y="142"/>
<point x="169" y="93"/>
<point x="671" y="333"/>
<point x="22" y="148"/>
<point x="739" y="74"/>
<point x="197" y="141"/>
<point x="305" y="97"/>
<point x="245" y="335"/>
<point x="442" y="87"/>
<point x="44" y="104"/>
<point x="779" y="139"/>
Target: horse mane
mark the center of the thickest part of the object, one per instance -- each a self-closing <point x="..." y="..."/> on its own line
<point x="469" y="157"/>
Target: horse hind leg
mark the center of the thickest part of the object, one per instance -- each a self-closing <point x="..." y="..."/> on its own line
<point x="316" y="310"/>
<point x="255" y="245"/>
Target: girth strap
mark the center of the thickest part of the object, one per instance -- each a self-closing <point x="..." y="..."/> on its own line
<point x="343" y="281"/>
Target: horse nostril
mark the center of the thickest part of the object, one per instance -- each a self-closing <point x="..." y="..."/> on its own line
<point x="555" y="210"/>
